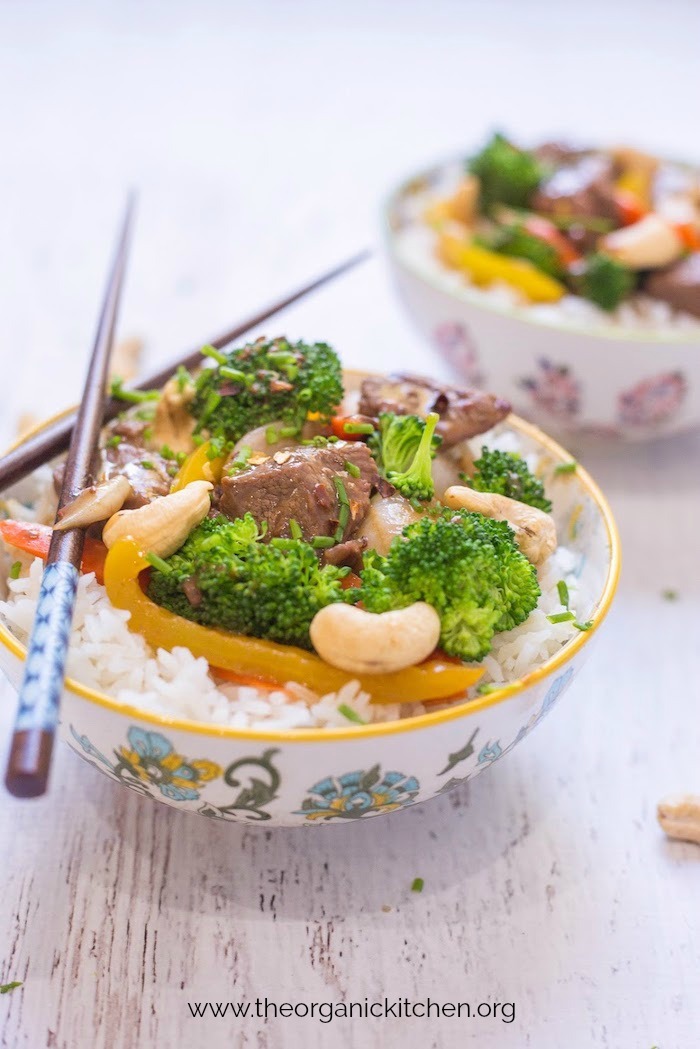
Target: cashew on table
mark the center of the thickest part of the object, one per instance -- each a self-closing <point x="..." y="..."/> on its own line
<point x="362" y="642"/>
<point x="535" y="531"/>
<point x="680" y="817"/>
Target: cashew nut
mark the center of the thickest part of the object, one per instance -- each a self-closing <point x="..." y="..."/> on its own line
<point x="93" y="504"/>
<point x="375" y="643"/>
<point x="535" y="531"/>
<point x="161" y="526"/>
<point x="680" y="817"/>
<point x="646" y="244"/>
<point x="173" y="424"/>
<point x="385" y="519"/>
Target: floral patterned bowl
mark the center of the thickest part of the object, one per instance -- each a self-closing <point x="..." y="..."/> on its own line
<point x="313" y="776"/>
<point x="604" y="381"/>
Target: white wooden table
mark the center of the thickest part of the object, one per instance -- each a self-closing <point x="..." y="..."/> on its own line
<point x="547" y="881"/>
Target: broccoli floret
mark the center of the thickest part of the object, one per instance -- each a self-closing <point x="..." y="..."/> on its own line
<point x="468" y="567"/>
<point x="516" y="241"/>
<point x="265" y="381"/>
<point x="407" y="465"/>
<point x="239" y="583"/>
<point x="396" y="441"/>
<point x="507" y="175"/>
<point x="603" y="280"/>
<point x="507" y="474"/>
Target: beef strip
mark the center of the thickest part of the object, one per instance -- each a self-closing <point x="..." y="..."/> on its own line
<point x="584" y="189"/>
<point x="678" y="285"/>
<point x="463" y="412"/>
<point x="347" y="554"/>
<point x="147" y="481"/>
<point x="299" y="484"/>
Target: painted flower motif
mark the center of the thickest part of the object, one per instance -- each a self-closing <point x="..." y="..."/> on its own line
<point x="151" y="759"/>
<point x="358" y="794"/>
<point x="653" y="400"/>
<point x="457" y="345"/>
<point x="554" y="389"/>
<point x="554" y="691"/>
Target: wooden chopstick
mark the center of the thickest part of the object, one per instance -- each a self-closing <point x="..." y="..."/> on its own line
<point x="40" y="695"/>
<point x="54" y="439"/>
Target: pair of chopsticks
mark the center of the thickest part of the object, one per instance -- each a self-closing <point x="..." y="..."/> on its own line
<point x="37" y="718"/>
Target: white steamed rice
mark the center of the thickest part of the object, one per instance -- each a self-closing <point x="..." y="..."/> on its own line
<point x="105" y="655"/>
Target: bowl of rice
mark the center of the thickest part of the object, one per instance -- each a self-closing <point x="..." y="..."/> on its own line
<point x="622" y="365"/>
<point x="159" y="722"/>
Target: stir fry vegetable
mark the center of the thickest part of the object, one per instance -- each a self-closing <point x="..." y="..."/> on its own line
<point x="434" y="679"/>
<point x="508" y="474"/>
<point x="556" y="220"/>
<point x="32" y="538"/>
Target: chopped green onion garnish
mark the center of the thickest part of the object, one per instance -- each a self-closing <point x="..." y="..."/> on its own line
<point x="5" y="988"/>
<point x="182" y="377"/>
<point x="343" y="514"/>
<point x="288" y="431"/>
<point x="180" y="457"/>
<point x="166" y="452"/>
<point x="566" y="468"/>
<point x="15" y="570"/>
<point x="350" y="714"/>
<point x="210" y="351"/>
<point x="340" y="489"/>
<point x="295" y="528"/>
<point x="484" y="690"/>
<point x="271" y="435"/>
<point x="351" y="427"/>
<point x="417" y="885"/>
<point x="145" y="414"/>
<point x="116" y="389"/>
<point x="584" y="626"/>
<point x="669" y="595"/>
<point x="232" y="373"/>
<point x="323" y="542"/>
<point x="563" y="591"/>
<point x="159" y="563"/>
<point x="114" y="441"/>
<point x="352" y="468"/>
<point x="147" y="464"/>
<point x="561" y="617"/>
<point x="148" y="433"/>
<point x="210" y="405"/>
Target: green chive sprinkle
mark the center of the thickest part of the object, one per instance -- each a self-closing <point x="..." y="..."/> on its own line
<point x="117" y="390"/>
<point x="350" y="714"/>
<point x="295" y="529"/>
<point x="166" y="452"/>
<point x="484" y="690"/>
<point x="6" y="988"/>
<point x="583" y="627"/>
<point x="232" y="373"/>
<point x="563" y="591"/>
<point x="271" y="435"/>
<point x="288" y="431"/>
<point x="148" y="433"/>
<point x="323" y="542"/>
<point x="669" y="595"/>
<point x="183" y="378"/>
<point x="210" y="351"/>
<point x="340" y="489"/>
<point x="15" y="570"/>
<point x="114" y="441"/>
<point x="147" y="464"/>
<point x="561" y="617"/>
<point x="352" y="468"/>
<point x="350" y="427"/>
<point x="159" y="563"/>
<point x="417" y="885"/>
<point x="566" y="468"/>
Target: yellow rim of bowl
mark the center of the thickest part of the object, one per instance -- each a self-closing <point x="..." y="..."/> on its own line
<point x="472" y="297"/>
<point x="419" y="721"/>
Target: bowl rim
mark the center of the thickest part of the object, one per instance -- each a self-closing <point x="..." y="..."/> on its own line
<point x="466" y="708"/>
<point x="471" y="296"/>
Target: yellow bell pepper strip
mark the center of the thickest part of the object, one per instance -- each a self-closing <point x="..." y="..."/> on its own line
<point x="434" y="679"/>
<point x="486" y="267"/>
<point x="198" y="467"/>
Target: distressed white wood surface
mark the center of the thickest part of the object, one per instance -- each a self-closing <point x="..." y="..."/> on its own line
<point x="547" y="882"/>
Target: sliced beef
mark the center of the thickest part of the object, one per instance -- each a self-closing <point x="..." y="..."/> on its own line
<point x="584" y="188"/>
<point x="558" y="153"/>
<point x="679" y="284"/>
<point x="347" y="554"/>
<point x="147" y="472"/>
<point x="129" y="429"/>
<point x="300" y="484"/>
<point x="463" y="412"/>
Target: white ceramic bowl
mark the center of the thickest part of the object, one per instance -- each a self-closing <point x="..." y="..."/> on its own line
<point x="314" y="776"/>
<point x="604" y="381"/>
